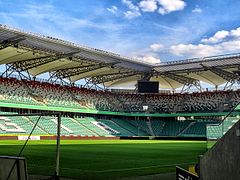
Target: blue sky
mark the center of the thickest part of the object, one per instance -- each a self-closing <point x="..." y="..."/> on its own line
<point x="151" y="30"/>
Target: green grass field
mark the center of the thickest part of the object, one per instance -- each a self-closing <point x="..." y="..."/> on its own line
<point x="106" y="159"/>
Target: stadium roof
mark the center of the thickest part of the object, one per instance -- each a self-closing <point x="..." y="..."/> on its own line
<point x="40" y="54"/>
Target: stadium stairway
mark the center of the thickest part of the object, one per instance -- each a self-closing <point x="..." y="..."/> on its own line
<point x="115" y="126"/>
<point x="89" y="124"/>
<point x="197" y="129"/>
<point x="150" y="128"/>
<point x="75" y="98"/>
<point x="49" y="124"/>
<point x="141" y="125"/>
<point x="23" y="123"/>
<point x="37" y="98"/>
<point x="158" y="126"/>
<point x="173" y="127"/>
<point x="6" y="126"/>
<point x="76" y="127"/>
<point x="130" y="127"/>
<point x="185" y="129"/>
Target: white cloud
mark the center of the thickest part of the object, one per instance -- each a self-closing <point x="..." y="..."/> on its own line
<point x="235" y="33"/>
<point x="230" y="46"/>
<point x="168" y="6"/>
<point x="165" y="7"/>
<point x="113" y="9"/>
<point x="218" y="36"/>
<point x="130" y="5"/>
<point x="156" y="47"/>
<point x="132" y="14"/>
<point x="133" y="11"/>
<point x="221" y="42"/>
<point x="201" y="50"/>
<point x="191" y="50"/>
<point x="148" y="5"/>
<point x="197" y="10"/>
<point x="150" y="59"/>
<point x="223" y="36"/>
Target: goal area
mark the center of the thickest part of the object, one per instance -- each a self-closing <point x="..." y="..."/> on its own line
<point x="17" y="157"/>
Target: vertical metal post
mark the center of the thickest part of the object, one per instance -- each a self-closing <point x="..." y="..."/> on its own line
<point x="58" y="146"/>
<point x="223" y="124"/>
<point x="138" y="125"/>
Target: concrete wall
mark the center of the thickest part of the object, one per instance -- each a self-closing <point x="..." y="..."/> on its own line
<point x="222" y="162"/>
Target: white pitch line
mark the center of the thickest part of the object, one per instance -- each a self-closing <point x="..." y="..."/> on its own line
<point x="124" y="169"/>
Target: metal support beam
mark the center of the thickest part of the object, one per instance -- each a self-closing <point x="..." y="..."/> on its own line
<point x="9" y="70"/>
<point x="226" y="75"/>
<point x="66" y="73"/>
<point x="146" y="76"/>
<point x="92" y="85"/>
<point x="187" y="82"/>
<point x="54" y="78"/>
<point x="179" y="78"/>
<point x="231" y="78"/>
<point x="187" y="88"/>
<point x="38" y="61"/>
<point x="111" y="77"/>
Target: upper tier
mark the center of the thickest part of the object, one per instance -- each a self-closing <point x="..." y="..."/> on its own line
<point x="46" y="94"/>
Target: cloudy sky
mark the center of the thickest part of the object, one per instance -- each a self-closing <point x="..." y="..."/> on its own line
<point x="151" y="30"/>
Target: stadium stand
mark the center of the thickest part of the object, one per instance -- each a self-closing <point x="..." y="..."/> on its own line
<point x="12" y="90"/>
<point x="38" y="93"/>
<point x="108" y="128"/>
<point x="23" y="123"/>
<point x="53" y="95"/>
<point x="46" y="94"/>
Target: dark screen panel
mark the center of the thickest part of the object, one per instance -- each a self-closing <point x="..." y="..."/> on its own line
<point x="148" y="86"/>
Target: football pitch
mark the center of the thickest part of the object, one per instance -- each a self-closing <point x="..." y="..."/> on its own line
<point x="106" y="159"/>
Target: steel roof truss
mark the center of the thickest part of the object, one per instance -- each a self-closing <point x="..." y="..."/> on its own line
<point x="179" y="78"/>
<point x="111" y="77"/>
<point x="35" y="62"/>
<point x="66" y="73"/>
<point x="226" y="75"/>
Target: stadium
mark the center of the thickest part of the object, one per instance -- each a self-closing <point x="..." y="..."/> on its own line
<point x="98" y="131"/>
